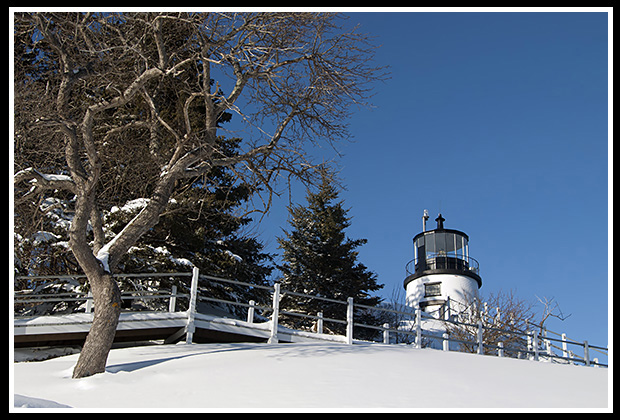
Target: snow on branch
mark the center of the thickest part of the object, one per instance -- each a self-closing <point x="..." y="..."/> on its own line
<point x="44" y="181"/>
<point x="41" y="182"/>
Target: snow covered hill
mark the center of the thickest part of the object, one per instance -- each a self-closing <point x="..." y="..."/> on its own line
<point x="306" y="376"/>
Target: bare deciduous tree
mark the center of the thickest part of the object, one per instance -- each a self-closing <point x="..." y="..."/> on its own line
<point x="551" y="309"/>
<point x="499" y="312"/>
<point x="86" y="83"/>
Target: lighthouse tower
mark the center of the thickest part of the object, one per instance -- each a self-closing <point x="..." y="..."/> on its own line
<point x="442" y="274"/>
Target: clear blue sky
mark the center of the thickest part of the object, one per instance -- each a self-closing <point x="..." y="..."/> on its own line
<point x="500" y="122"/>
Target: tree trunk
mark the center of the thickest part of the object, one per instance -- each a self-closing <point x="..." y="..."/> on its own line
<point x="94" y="354"/>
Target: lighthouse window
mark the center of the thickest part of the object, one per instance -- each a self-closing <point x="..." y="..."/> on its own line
<point x="430" y="244"/>
<point x="432" y="289"/>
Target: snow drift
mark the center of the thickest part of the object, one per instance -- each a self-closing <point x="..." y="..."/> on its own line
<point x="244" y="375"/>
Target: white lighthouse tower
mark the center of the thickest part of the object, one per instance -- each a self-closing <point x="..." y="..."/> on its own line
<point x="442" y="275"/>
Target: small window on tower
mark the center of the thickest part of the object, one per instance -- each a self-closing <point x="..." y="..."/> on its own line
<point x="432" y="289"/>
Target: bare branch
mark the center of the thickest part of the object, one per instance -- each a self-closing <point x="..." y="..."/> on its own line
<point x="551" y="309"/>
<point x="41" y="182"/>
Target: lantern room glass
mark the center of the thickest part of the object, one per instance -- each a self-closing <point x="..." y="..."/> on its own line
<point x="437" y="244"/>
<point x="444" y="244"/>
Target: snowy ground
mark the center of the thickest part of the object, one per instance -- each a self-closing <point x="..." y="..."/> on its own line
<point x="305" y="376"/>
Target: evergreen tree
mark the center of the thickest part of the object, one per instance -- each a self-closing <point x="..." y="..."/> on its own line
<point x="319" y="259"/>
<point x="201" y="227"/>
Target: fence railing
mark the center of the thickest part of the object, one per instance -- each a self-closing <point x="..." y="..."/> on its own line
<point x="25" y="298"/>
<point x="530" y="344"/>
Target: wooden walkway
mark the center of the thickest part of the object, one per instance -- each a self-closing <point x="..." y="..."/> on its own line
<point x="141" y="326"/>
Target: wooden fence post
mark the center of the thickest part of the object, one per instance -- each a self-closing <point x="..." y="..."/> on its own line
<point x="190" y="329"/>
<point x="445" y="342"/>
<point x="251" y="312"/>
<point x="564" y="346"/>
<point x="319" y="323"/>
<point x="273" y="338"/>
<point x="535" y="344"/>
<point x="547" y="342"/>
<point x="586" y="353"/>
<point x="418" y="328"/>
<point x="350" y="320"/>
<point x="173" y="299"/>
<point x="480" y="345"/>
<point x="386" y="333"/>
<point x="500" y="350"/>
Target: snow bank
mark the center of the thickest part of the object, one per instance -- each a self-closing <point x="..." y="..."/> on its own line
<point x="244" y="375"/>
<point x="29" y="402"/>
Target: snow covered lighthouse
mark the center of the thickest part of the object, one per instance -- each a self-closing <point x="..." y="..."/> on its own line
<point x="442" y="275"/>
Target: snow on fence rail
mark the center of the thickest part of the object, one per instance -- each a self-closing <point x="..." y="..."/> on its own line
<point x="535" y="346"/>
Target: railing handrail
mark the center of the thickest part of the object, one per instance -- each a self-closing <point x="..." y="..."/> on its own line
<point x="418" y="315"/>
<point x="472" y="263"/>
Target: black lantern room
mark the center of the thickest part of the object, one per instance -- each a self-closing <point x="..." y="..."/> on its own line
<point x="442" y="251"/>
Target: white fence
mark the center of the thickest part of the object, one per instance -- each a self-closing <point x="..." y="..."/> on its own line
<point x="535" y="346"/>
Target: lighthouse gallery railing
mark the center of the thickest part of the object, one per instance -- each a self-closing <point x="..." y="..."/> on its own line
<point x="463" y="263"/>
